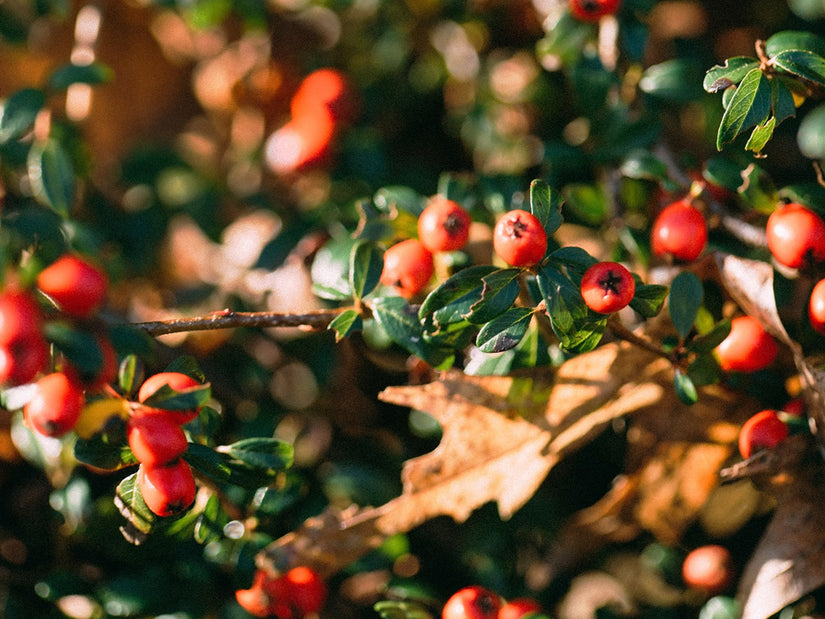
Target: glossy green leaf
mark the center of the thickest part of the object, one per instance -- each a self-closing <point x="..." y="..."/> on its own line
<point x="499" y="290"/>
<point x="131" y="505"/>
<point x="19" y="112"/>
<point x="79" y="346"/>
<point x="465" y="283"/>
<point x="169" y="399"/>
<point x="505" y="331"/>
<point x="208" y="462"/>
<point x="330" y="270"/>
<point x="67" y="75"/>
<point x="731" y="73"/>
<point x="750" y="106"/>
<point x="365" y="265"/>
<point x="758" y="189"/>
<point x="783" y="102"/>
<point x="802" y="63"/>
<point x="710" y="340"/>
<point x="395" y="609"/>
<point x="577" y="329"/>
<point x="260" y="453"/>
<point x="345" y="323"/>
<point x="186" y="364"/>
<point x="106" y="450"/>
<point x="787" y="40"/>
<point x="704" y="370"/>
<point x="761" y="135"/>
<point x="811" y="134"/>
<point x="400" y="320"/>
<point x="546" y="204"/>
<point x="684" y="301"/>
<point x="685" y="389"/>
<point x="675" y="80"/>
<point x="574" y="260"/>
<point x="52" y="176"/>
<point x="128" y="374"/>
<point x="210" y="521"/>
<point x="391" y="198"/>
<point x="648" y="299"/>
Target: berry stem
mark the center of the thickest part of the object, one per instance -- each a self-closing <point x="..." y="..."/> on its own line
<point x="620" y="331"/>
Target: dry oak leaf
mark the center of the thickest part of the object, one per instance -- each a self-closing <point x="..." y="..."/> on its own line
<point x="501" y="436"/>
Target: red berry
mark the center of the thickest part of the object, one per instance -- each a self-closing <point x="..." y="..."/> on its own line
<point x="325" y="91"/>
<point x="155" y="438"/>
<point x="23" y="359"/>
<point x="177" y="381"/>
<point x="679" y="231"/>
<point x="78" y="287"/>
<point x="473" y="602"/>
<point x="254" y="600"/>
<point x="762" y="431"/>
<point x="518" y="608"/>
<point x="796" y="236"/>
<point x="709" y="568"/>
<point x="607" y="287"/>
<point x="20" y="316"/>
<point x="748" y="347"/>
<point x="297" y="593"/>
<point x="167" y="489"/>
<point x="443" y="226"/>
<point x="816" y="307"/>
<point x="519" y="239"/>
<point x="56" y="405"/>
<point x="301" y="144"/>
<point x="593" y="10"/>
<point x="408" y="266"/>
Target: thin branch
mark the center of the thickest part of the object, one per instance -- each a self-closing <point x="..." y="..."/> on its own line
<point x="227" y="319"/>
<point x="623" y="333"/>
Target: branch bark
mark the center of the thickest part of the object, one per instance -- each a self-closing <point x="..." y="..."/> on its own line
<point x="227" y="319"/>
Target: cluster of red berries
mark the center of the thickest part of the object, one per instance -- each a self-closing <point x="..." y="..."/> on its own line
<point x="322" y="104"/>
<point x="477" y="602"/>
<point x="158" y="441"/>
<point x="77" y="289"/>
<point x="297" y="593"/>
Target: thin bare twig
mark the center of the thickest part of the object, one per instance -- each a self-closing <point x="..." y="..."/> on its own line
<point x="227" y="319"/>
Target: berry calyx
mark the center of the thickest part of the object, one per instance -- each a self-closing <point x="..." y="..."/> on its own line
<point x="679" y="231"/>
<point x="167" y="489"/>
<point x="155" y="438"/>
<point x="518" y="608"/>
<point x="748" y="347"/>
<point x="56" y="405"/>
<point x="796" y="236"/>
<point x="593" y="10"/>
<point x="473" y="602"/>
<point x="443" y="225"/>
<point x="607" y="287"/>
<point x="762" y="431"/>
<point x="519" y="239"/>
<point x="709" y="568"/>
<point x="177" y="381"/>
<point x="816" y="307"/>
<point x="78" y="287"/>
<point x="408" y="267"/>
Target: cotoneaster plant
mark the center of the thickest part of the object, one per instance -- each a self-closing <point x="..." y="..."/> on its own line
<point x="519" y="238"/>
<point x="796" y="236"/>
<point x="443" y="225"/>
<point x="679" y="231"/>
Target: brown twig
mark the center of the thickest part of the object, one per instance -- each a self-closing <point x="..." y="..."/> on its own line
<point x="227" y="319"/>
<point x="623" y="333"/>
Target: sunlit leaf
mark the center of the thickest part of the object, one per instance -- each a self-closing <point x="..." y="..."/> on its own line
<point x="684" y="301"/>
<point x="52" y="176"/>
<point x="132" y="506"/>
<point x="345" y="323"/>
<point x="500" y="289"/>
<point x="761" y="135"/>
<point x="546" y="204"/>
<point x="674" y="80"/>
<point x="750" y="106"/>
<point x="787" y="40"/>
<point x="649" y="298"/>
<point x="685" y="389"/>
<point x="18" y="113"/>
<point x="802" y="63"/>
<point x="505" y="331"/>
<point x="260" y="453"/>
<point x="466" y="283"/>
<point x="365" y="267"/>
<point x="731" y="73"/>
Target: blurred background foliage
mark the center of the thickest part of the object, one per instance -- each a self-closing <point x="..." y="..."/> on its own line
<point x="179" y="195"/>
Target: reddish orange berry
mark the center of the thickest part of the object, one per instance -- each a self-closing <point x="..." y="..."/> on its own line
<point x="519" y="239"/>
<point x="155" y="439"/>
<point x="709" y="568"/>
<point x="748" y="347"/>
<point x="408" y="267"/>
<point x="325" y="92"/>
<point x="593" y="10"/>
<point x="301" y="144"/>
<point x="679" y="231"/>
<point x="816" y="307"/>
<point x="22" y="360"/>
<point x="518" y="608"/>
<point x="443" y="226"/>
<point x="20" y="316"/>
<point x="607" y="287"/>
<point x="255" y="600"/>
<point x="167" y="489"/>
<point x="78" y="287"/>
<point x="762" y="431"/>
<point x="796" y="236"/>
<point x="297" y="593"/>
<point x="56" y="405"/>
<point x="177" y="381"/>
<point x="473" y="602"/>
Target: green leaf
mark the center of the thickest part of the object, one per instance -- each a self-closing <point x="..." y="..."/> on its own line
<point x="80" y="347"/>
<point x="52" y="176"/>
<point x="794" y="40"/>
<point x="750" y="105"/>
<point x="210" y="521"/>
<point x="506" y="331"/>
<point x="393" y="609"/>
<point x="127" y="374"/>
<point x="761" y="135"/>
<point x="466" y="283"/>
<point x="131" y="505"/>
<point x="574" y="260"/>
<point x="330" y="270"/>
<point x="400" y="320"/>
<point x="758" y="189"/>
<point x="186" y="364"/>
<point x="577" y="329"/>
<point x="500" y="289"/>
<point x="67" y="75"/>
<point x="723" y="172"/>
<point x="345" y="323"/>
<point x="19" y="112"/>
<point x="802" y="63"/>
<point x="685" y="389"/>
<point x="642" y="164"/>
<point x="648" y="298"/>
<point x="684" y="301"/>
<point x="546" y="205"/>
<point x="711" y="339"/>
<point x="365" y="265"/>
<point x="783" y="103"/>
<point x="260" y="453"/>
<point x="209" y="462"/>
<point x="388" y="199"/>
<point x="731" y="73"/>
<point x="704" y="370"/>
<point x="106" y="450"/>
<point x="169" y="399"/>
<point x="674" y="80"/>
<point x="587" y="203"/>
